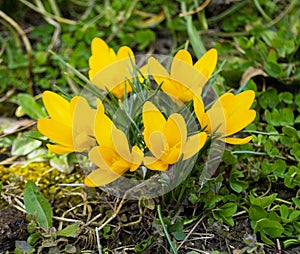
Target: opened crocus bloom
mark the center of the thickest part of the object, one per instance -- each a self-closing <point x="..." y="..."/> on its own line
<point x="167" y="140"/>
<point x="228" y="115"/>
<point x="68" y="125"/>
<point x="185" y="80"/>
<point x="109" y="70"/>
<point x="113" y="155"/>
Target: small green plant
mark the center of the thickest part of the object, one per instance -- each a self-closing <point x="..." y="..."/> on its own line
<point x="42" y="232"/>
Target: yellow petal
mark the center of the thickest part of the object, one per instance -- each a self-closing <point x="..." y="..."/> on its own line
<point x="153" y="119"/>
<point x="60" y="149"/>
<point x="182" y="58"/>
<point x="57" y="107"/>
<point x="80" y="109"/>
<point x="155" y="164"/>
<point x="120" y="144"/>
<point x="189" y="94"/>
<point x="56" y="131"/>
<point x="103" y="129"/>
<point x="186" y="75"/>
<point x="99" y="46"/>
<point x="126" y="52"/>
<point x="237" y="141"/>
<point x="201" y="115"/>
<point x="102" y="156"/>
<point x="218" y="118"/>
<point x="207" y="63"/>
<point x="194" y="145"/>
<point x="172" y="155"/>
<point x="136" y="158"/>
<point x="83" y="142"/>
<point x="113" y="75"/>
<point x="182" y="61"/>
<point x="242" y="100"/>
<point x="239" y="121"/>
<point x="100" y="177"/>
<point x="247" y="97"/>
<point x="175" y="130"/>
<point x="160" y="74"/>
<point x="118" y="91"/>
<point x="158" y="144"/>
<point x="102" y="56"/>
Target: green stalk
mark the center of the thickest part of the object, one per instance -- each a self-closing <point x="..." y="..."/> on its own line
<point x="165" y="230"/>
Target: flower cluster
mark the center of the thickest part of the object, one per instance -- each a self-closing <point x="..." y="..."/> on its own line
<point x="153" y="137"/>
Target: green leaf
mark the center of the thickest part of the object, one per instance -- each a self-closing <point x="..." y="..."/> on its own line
<point x="296" y="202"/>
<point x="177" y="229"/>
<point x="24" y="247"/>
<point x="144" y="244"/>
<point x="269" y="98"/>
<point x="41" y="57"/>
<point x="70" y="248"/>
<point x="286" y="97"/>
<point x="235" y="183"/>
<point x="144" y="38"/>
<point x="265" y="239"/>
<point x="287" y="116"/>
<point x="295" y="151"/>
<point x="179" y="235"/>
<point x="30" y="106"/>
<point x="290" y="242"/>
<point x="284" y="213"/>
<point x="272" y="56"/>
<point x="35" y="202"/>
<point x="69" y="231"/>
<point x="225" y="212"/>
<point x="292" y="177"/>
<point x="229" y="158"/>
<point x="269" y="227"/>
<point x="291" y="132"/>
<point x="262" y="201"/>
<point x="24" y="145"/>
<point x="273" y="69"/>
<point x="297" y="120"/>
<point x="273" y="117"/>
<point x="62" y="163"/>
<point x="257" y="212"/>
<point x="33" y="238"/>
<point x="270" y="149"/>
<point x="294" y="215"/>
<point x="280" y="168"/>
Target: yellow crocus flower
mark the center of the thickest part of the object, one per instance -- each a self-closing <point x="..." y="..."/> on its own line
<point x="167" y="140"/>
<point x="228" y="115"/>
<point x="185" y="79"/>
<point x="69" y="123"/>
<point x="113" y="156"/>
<point x="110" y="70"/>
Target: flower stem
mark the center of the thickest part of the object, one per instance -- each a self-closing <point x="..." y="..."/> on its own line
<point x="165" y="230"/>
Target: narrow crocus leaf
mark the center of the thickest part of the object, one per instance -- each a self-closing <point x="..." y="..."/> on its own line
<point x="36" y="203"/>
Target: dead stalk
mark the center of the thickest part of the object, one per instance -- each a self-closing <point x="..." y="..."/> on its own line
<point x="27" y="45"/>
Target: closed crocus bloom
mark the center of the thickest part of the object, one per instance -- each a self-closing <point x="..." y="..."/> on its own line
<point x="185" y="79"/>
<point x="228" y="115"/>
<point x="167" y="140"/>
<point x="68" y="125"/>
<point x="110" y="70"/>
<point x="113" y="156"/>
